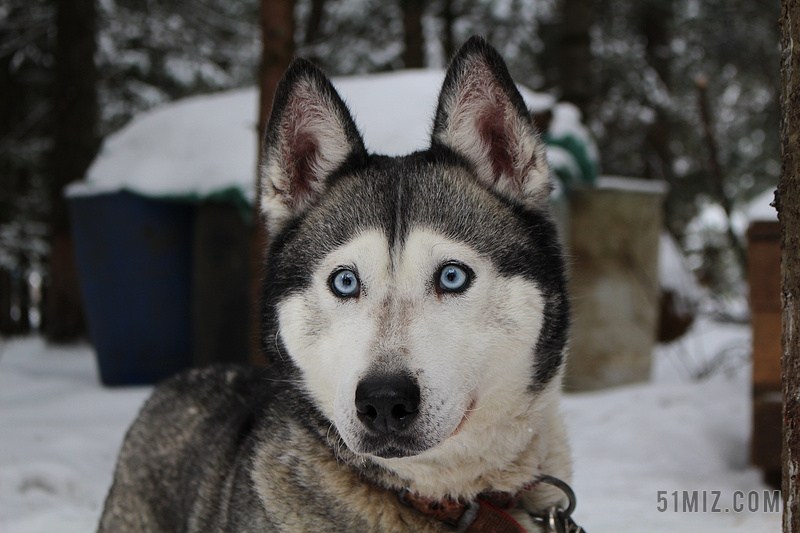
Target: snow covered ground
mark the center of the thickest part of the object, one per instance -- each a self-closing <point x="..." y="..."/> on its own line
<point x="672" y="434"/>
<point x="60" y="431"/>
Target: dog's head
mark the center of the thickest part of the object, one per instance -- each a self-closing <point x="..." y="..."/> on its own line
<point x="414" y="297"/>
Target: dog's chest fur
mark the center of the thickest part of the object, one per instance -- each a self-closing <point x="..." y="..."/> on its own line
<point x="218" y="464"/>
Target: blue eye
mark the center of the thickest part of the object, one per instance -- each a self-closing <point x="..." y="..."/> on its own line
<point x="453" y="278"/>
<point x="344" y="283"/>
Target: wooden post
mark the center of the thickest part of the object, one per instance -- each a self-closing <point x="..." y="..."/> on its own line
<point x="764" y="265"/>
<point x="788" y="204"/>
<point x="277" y="31"/>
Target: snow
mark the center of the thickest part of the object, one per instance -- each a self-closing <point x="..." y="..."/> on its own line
<point x="395" y="110"/>
<point x="559" y="157"/>
<point x="567" y="121"/>
<point x="632" y="185"/>
<point x="712" y="218"/>
<point x="62" y="430"/>
<point x="203" y="145"/>
<point x="191" y="148"/>
<point x="760" y="209"/>
<point x="675" y="275"/>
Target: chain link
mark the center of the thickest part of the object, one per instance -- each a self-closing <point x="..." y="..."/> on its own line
<point x="558" y="520"/>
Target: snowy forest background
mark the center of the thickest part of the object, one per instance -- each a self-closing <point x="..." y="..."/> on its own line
<point x="642" y="72"/>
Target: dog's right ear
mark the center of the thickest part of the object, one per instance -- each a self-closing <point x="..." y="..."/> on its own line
<point x="310" y="134"/>
<point x="482" y="117"/>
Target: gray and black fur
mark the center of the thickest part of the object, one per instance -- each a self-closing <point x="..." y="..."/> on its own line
<point x="250" y="449"/>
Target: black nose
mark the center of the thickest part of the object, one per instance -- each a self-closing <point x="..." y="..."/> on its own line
<point x="387" y="403"/>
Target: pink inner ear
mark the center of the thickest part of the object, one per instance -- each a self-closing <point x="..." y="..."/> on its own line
<point x="499" y="138"/>
<point x="300" y="158"/>
<point x="300" y="153"/>
<point x="483" y="106"/>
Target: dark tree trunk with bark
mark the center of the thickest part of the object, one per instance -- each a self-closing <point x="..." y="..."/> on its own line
<point x="414" y="38"/>
<point x="655" y="18"/>
<point x="313" y="32"/>
<point x="448" y="17"/>
<point x="75" y="144"/>
<point x="314" y="23"/>
<point x="788" y="204"/>
<point x="277" y="33"/>
<point x="576" y="55"/>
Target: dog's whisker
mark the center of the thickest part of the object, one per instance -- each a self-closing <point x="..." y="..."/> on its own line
<point x="277" y="345"/>
<point x="294" y="381"/>
<point x="478" y="407"/>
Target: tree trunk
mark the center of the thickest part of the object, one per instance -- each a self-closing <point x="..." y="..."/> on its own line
<point x="414" y="38"/>
<point x="788" y="205"/>
<point x="277" y="32"/>
<point x="448" y="17"/>
<point x="75" y="144"/>
<point x="716" y="174"/>
<point x="314" y="23"/>
<point x="576" y="56"/>
<point x="655" y="18"/>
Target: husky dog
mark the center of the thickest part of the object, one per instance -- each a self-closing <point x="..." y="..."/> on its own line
<point x="415" y="317"/>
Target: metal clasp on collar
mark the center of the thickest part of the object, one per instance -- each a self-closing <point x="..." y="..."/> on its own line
<point x="402" y="496"/>
<point x="556" y="519"/>
<point x="468" y="517"/>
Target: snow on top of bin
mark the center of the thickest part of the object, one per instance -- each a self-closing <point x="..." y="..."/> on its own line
<point x="205" y="146"/>
<point x="191" y="148"/>
<point x="621" y="183"/>
<point x="760" y="209"/>
<point x="566" y="129"/>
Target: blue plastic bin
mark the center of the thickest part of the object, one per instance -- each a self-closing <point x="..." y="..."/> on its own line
<point x="134" y="257"/>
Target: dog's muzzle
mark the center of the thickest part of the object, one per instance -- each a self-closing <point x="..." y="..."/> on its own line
<point x="387" y="406"/>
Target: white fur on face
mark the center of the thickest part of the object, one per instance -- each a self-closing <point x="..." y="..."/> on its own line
<point x="329" y="338"/>
<point x="472" y="353"/>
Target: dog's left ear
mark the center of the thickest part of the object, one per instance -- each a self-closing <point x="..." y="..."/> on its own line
<point x="310" y="134"/>
<point x="482" y="117"/>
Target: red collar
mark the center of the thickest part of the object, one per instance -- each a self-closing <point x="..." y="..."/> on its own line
<point x="487" y="513"/>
